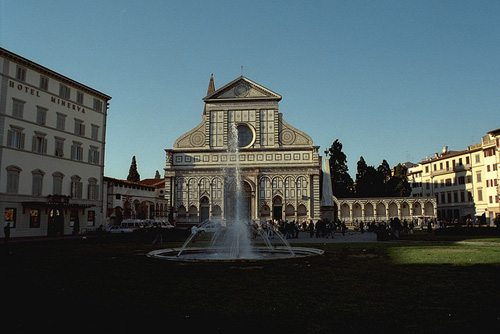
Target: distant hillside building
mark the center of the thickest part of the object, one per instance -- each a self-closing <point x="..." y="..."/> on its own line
<point x="52" y="141"/>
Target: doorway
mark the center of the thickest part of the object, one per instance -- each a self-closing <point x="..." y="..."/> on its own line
<point x="277" y="208"/>
<point x="55" y="226"/>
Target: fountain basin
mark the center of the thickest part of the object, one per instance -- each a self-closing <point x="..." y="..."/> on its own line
<point x="202" y="254"/>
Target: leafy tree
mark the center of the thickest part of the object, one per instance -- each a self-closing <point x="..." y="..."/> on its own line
<point x="367" y="180"/>
<point x="133" y="174"/>
<point x="342" y="183"/>
<point x="385" y="174"/>
<point x="399" y="182"/>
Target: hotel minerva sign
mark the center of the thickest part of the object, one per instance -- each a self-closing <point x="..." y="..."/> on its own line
<point x="53" y="99"/>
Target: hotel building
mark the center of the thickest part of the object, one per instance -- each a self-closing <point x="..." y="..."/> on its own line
<point x="52" y="141"/>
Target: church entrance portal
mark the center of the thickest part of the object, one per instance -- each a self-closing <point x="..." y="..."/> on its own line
<point x="277" y="209"/>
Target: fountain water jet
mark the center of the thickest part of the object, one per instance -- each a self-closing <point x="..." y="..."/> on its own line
<point x="233" y="242"/>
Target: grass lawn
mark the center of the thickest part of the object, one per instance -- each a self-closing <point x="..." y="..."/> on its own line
<point x="391" y="287"/>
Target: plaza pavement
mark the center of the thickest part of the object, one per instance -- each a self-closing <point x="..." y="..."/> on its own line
<point x="338" y="238"/>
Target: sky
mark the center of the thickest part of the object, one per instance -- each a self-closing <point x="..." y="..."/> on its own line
<point x="394" y="80"/>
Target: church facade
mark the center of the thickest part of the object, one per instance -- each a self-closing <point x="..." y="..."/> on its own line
<point x="280" y="166"/>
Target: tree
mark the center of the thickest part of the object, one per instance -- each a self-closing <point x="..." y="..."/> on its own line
<point x="385" y="174"/>
<point x="342" y="183"/>
<point x="133" y="174"/>
<point x="399" y="182"/>
<point x="367" y="180"/>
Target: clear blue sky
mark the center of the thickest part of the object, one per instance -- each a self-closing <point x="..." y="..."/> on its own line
<point x="394" y="80"/>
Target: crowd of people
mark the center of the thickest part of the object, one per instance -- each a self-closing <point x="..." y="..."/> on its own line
<point x="324" y="228"/>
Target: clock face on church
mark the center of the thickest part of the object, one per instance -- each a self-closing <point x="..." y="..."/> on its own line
<point x="246" y="135"/>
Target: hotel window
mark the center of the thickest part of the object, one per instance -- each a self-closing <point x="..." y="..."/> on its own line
<point x="478" y="157"/>
<point x="61" y="121"/>
<point x="97" y="104"/>
<point x="91" y="218"/>
<point x="76" y="151"/>
<point x="79" y="97"/>
<point x="17" y="108"/>
<point x="59" y="147"/>
<point x="94" y="155"/>
<point x="478" y="177"/>
<point x="94" y="134"/>
<point x="57" y="181"/>
<point x="15" y="137"/>
<point x="10" y="215"/>
<point x="44" y="83"/>
<point x="37" y="184"/>
<point x="20" y="73"/>
<point x="39" y="143"/>
<point x="13" y="173"/>
<point x="41" y="115"/>
<point x="79" y="127"/>
<point x="76" y="187"/>
<point x="64" y="91"/>
<point x="479" y="194"/>
<point x="93" y="190"/>
<point x="34" y="218"/>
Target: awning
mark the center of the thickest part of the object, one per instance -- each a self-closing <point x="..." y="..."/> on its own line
<point x="56" y="205"/>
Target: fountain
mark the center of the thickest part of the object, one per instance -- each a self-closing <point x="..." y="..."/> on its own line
<point x="232" y="241"/>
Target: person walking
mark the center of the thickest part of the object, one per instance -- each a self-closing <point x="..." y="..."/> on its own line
<point x="343" y="228"/>
<point x="6" y="232"/>
<point x="311" y="228"/>
<point x="159" y="237"/>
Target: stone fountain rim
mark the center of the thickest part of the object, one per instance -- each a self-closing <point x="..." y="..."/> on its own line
<point x="299" y="252"/>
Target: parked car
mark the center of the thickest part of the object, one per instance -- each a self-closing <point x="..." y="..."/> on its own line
<point x="166" y="225"/>
<point x="209" y="226"/>
<point x="135" y="224"/>
<point x="119" y="229"/>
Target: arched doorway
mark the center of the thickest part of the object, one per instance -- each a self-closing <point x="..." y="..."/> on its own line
<point x="55" y="225"/>
<point x="429" y="209"/>
<point x="265" y="212"/>
<point x="393" y="210"/>
<point x="417" y="209"/>
<point x="302" y="212"/>
<point x="289" y="212"/>
<point x="277" y="208"/>
<point x="238" y="205"/>
<point x="204" y="209"/>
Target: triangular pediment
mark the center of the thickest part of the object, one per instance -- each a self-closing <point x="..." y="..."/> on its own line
<point x="242" y="88"/>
